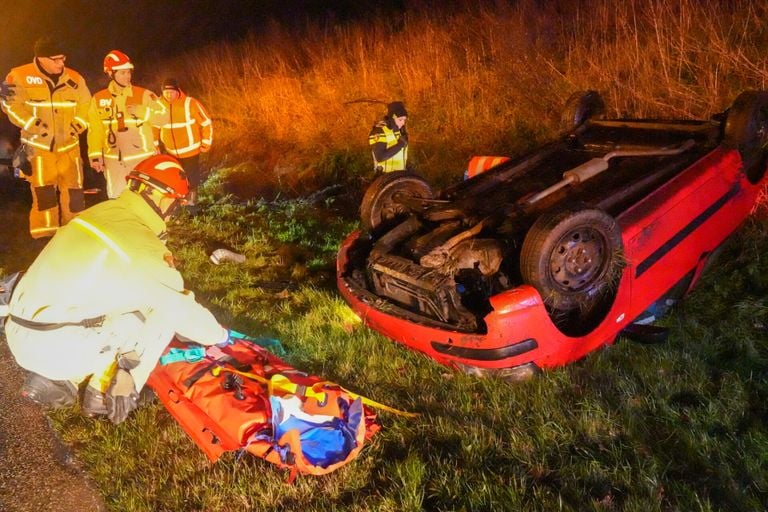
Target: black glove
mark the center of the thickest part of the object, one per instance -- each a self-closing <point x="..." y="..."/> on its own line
<point x="21" y="161"/>
<point x="121" y="397"/>
<point x="7" y="90"/>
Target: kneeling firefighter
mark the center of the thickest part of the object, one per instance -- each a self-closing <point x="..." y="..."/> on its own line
<point x="103" y="299"/>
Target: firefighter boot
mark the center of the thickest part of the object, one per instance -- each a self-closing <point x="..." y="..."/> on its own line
<point x="94" y="403"/>
<point x="49" y="393"/>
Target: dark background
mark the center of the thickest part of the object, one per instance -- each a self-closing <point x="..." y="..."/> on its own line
<point x="154" y="29"/>
<point x="151" y="31"/>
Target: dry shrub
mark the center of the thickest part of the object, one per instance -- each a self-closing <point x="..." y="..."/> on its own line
<point x="668" y="59"/>
<point x="486" y="79"/>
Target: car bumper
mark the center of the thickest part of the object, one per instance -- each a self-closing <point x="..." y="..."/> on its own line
<point x="519" y="330"/>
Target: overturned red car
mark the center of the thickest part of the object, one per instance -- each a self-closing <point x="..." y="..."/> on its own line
<point x="544" y="258"/>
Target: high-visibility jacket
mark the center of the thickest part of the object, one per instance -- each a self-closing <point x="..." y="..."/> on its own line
<point x="189" y="129"/>
<point x="51" y="116"/>
<point x="121" y="121"/>
<point x="109" y="261"/>
<point x="388" y="153"/>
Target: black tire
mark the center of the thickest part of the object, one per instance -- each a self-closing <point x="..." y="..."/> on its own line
<point x="380" y="207"/>
<point x="580" y="107"/>
<point x="572" y="257"/>
<point x="746" y="129"/>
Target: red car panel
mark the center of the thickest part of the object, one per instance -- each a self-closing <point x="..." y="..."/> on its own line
<point x="667" y="237"/>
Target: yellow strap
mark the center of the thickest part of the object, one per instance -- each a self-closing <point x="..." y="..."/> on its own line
<point x="284" y="384"/>
<point x="377" y="405"/>
<point x="105" y="379"/>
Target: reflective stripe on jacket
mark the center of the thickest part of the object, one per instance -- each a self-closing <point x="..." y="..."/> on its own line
<point x="121" y="121"/>
<point x="51" y="116"/>
<point x="110" y="261"/>
<point x="188" y="129"/>
<point x="381" y="133"/>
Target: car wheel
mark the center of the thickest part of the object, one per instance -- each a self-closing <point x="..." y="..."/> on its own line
<point x="746" y="129"/>
<point x="573" y="257"/>
<point x="383" y="203"/>
<point x="580" y="107"/>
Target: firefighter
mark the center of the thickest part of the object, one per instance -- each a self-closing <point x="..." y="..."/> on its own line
<point x="49" y="102"/>
<point x="103" y="299"/>
<point x="389" y="140"/>
<point x="187" y="133"/>
<point x="121" y="119"/>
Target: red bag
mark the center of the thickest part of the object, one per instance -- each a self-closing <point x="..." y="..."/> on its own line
<point x="226" y="403"/>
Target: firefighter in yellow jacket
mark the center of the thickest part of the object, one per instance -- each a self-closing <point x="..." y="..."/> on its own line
<point x="389" y="140"/>
<point x="104" y="293"/>
<point x="187" y="133"/>
<point x="121" y="118"/>
<point x="49" y="102"/>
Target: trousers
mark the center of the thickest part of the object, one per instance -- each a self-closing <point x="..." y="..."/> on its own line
<point x="77" y="354"/>
<point x="57" y="190"/>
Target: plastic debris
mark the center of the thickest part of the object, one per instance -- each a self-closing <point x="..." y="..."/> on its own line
<point x="220" y="255"/>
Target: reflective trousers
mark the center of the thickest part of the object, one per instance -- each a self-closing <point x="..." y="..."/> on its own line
<point x="76" y="353"/>
<point x="115" y="172"/>
<point x="57" y="190"/>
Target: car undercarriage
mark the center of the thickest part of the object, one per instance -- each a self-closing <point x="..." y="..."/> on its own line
<point x="439" y="259"/>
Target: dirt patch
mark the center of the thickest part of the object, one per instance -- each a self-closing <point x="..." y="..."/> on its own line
<point x="39" y="472"/>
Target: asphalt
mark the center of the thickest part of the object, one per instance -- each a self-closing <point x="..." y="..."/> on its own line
<point x="38" y="472"/>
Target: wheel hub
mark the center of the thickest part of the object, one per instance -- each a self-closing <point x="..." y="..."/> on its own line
<point x="395" y="200"/>
<point x="391" y="206"/>
<point x="577" y="259"/>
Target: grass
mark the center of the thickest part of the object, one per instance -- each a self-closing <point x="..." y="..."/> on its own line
<point x="485" y="78"/>
<point x="678" y="426"/>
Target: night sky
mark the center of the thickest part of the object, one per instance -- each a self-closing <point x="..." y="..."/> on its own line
<point x="151" y="30"/>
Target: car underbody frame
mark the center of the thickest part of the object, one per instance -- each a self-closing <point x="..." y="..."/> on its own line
<point x="675" y="190"/>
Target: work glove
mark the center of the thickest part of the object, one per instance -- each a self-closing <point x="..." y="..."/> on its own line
<point x="121" y="396"/>
<point x="7" y="91"/>
<point x="128" y="360"/>
<point x="21" y="161"/>
<point x="229" y="341"/>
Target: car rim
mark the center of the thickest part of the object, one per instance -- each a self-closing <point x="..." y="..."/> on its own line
<point x="578" y="259"/>
<point x="390" y="205"/>
<point x="391" y="208"/>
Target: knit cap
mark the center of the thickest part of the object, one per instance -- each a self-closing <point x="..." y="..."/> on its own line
<point x="47" y="47"/>
<point x="396" y="109"/>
